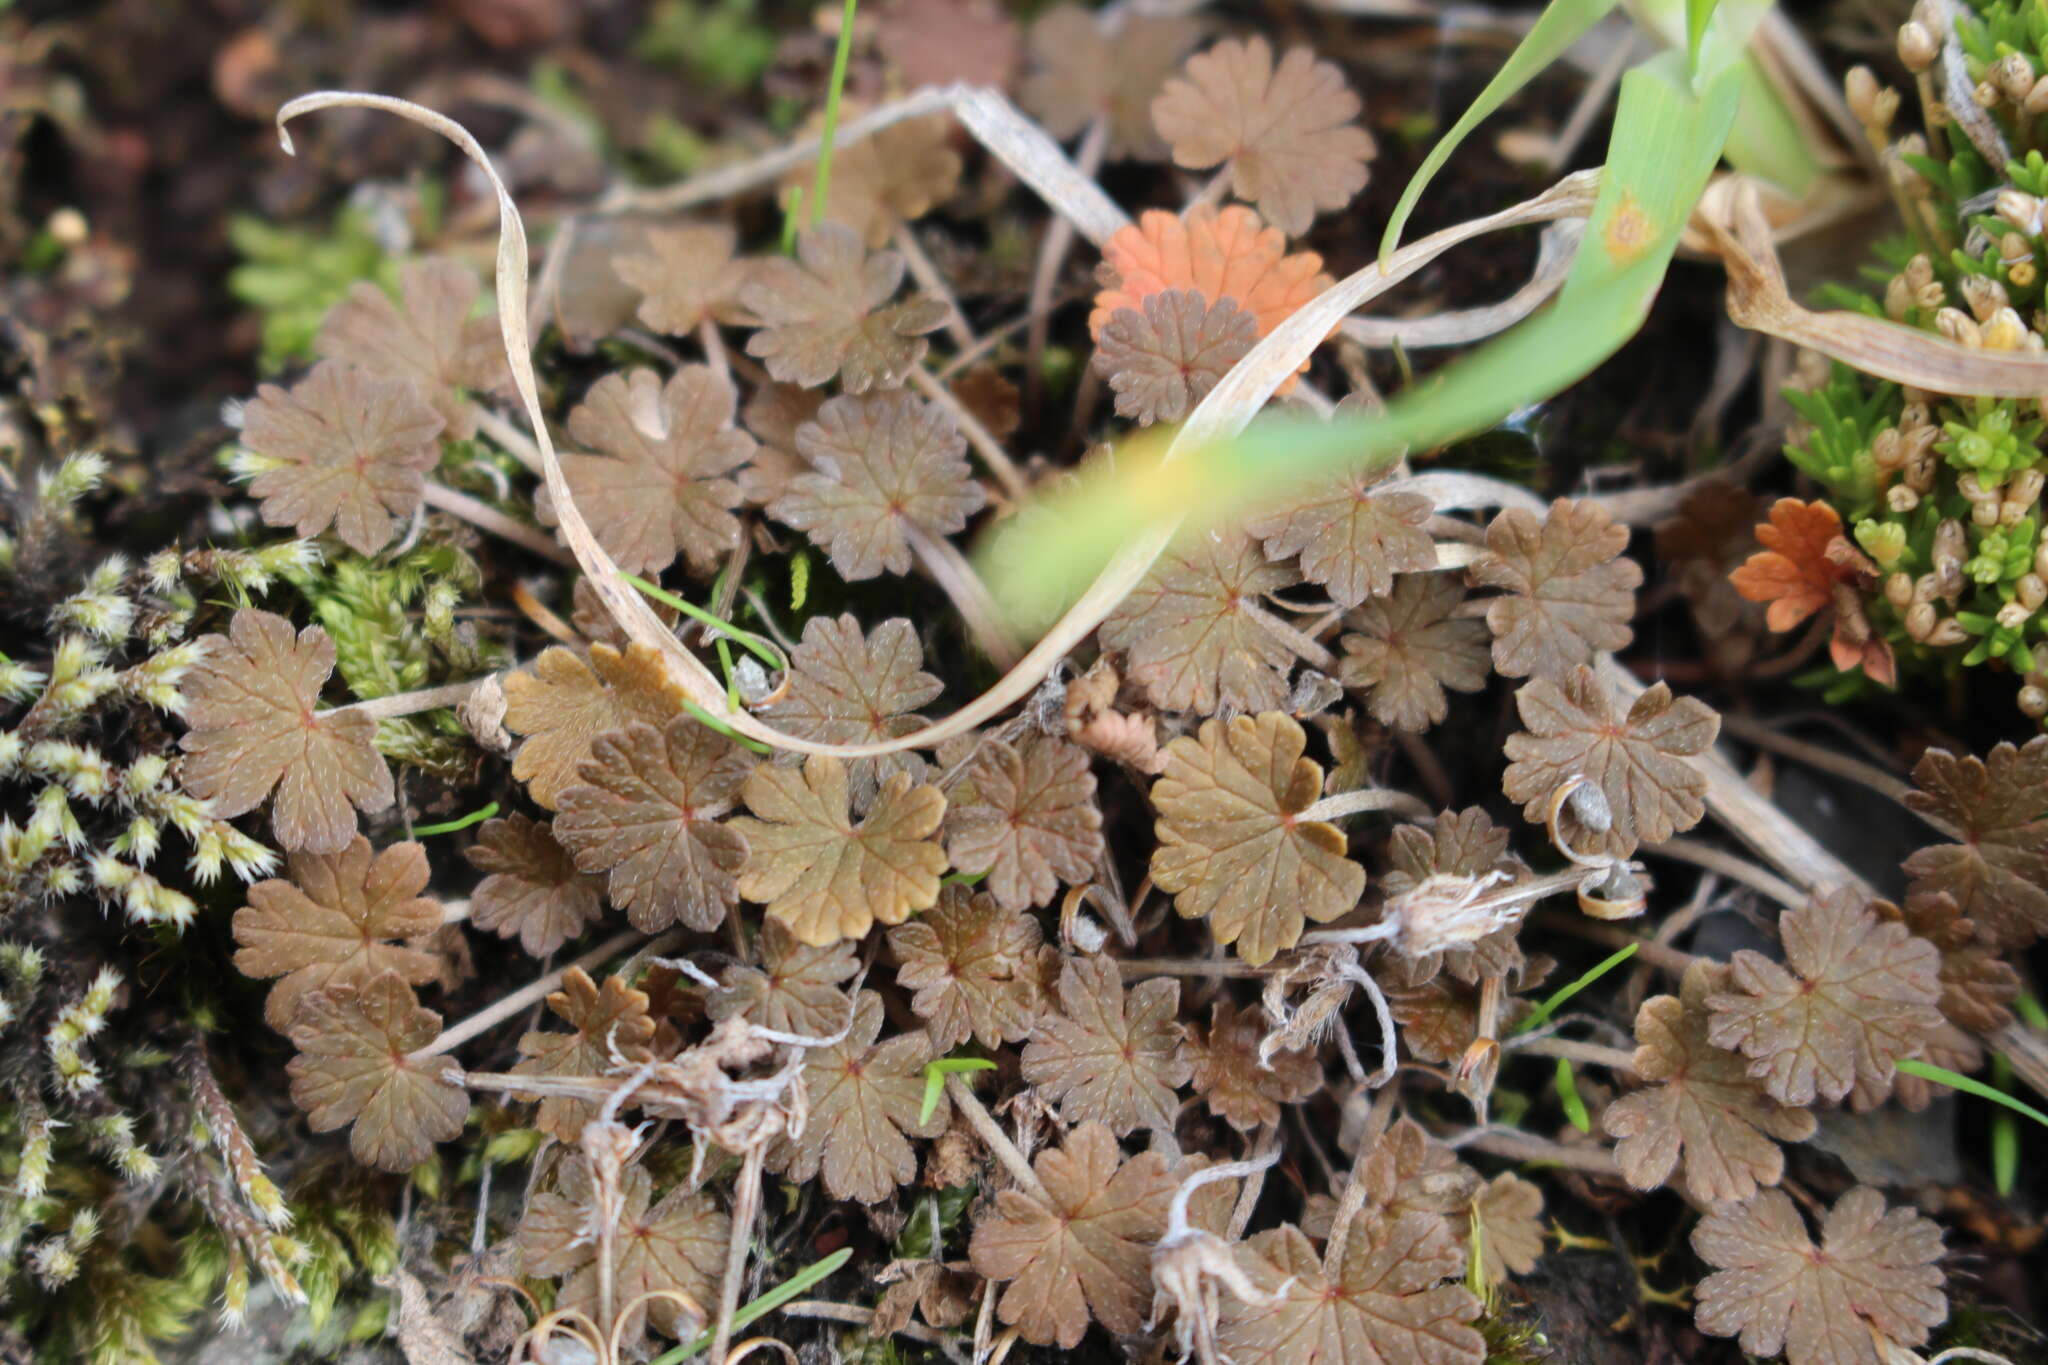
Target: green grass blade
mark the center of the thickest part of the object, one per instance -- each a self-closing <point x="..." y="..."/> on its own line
<point x="1698" y="14"/>
<point x="766" y="1304"/>
<point x="935" y="1073"/>
<point x="1570" y="989"/>
<point x="1568" y="1095"/>
<point x="830" y="128"/>
<point x="1666" y="142"/>
<point x="749" y="641"/>
<point x="1954" y="1080"/>
<point x="1560" y="25"/>
<point x="475" y="817"/>
<point x="2005" y="1132"/>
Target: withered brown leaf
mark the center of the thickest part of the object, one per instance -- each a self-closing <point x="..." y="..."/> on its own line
<point x="326" y="922"/>
<point x="824" y="314"/>
<point x="885" y="467"/>
<point x="1998" y="872"/>
<point x="1976" y="986"/>
<point x="251" y="705"/>
<point x="607" y="1024"/>
<point x="676" y="1245"/>
<point x="794" y="990"/>
<point x="864" y="1098"/>
<point x="647" y="815"/>
<point x="1084" y="1252"/>
<point x="662" y="483"/>
<point x="1226" y="1070"/>
<point x="1404" y="650"/>
<point x="846" y="687"/>
<point x="893" y="175"/>
<point x="354" y="1066"/>
<point x="1637" y="761"/>
<point x="1872" y="1279"/>
<point x="1699" y="1104"/>
<point x="342" y="449"/>
<point x="1463" y="843"/>
<point x="1188" y="630"/>
<point x="938" y="42"/>
<point x="531" y="889"/>
<point x="1030" y="822"/>
<point x="1853" y="996"/>
<point x="973" y="968"/>
<point x="1510" y="1214"/>
<point x="1386" y="1302"/>
<point x="1287" y="131"/>
<point x="1162" y="357"/>
<point x="1107" y="1058"/>
<point x="432" y="341"/>
<point x="1231" y="846"/>
<point x="1351" y="540"/>
<point x="822" y="874"/>
<point x="562" y="703"/>
<point x="686" y="274"/>
<point x="1569" y="594"/>
<point x="1084" y="67"/>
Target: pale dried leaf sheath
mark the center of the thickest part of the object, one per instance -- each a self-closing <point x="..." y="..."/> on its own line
<point x="1028" y="152"/>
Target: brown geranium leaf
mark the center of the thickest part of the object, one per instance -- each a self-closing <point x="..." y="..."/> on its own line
<point x="893" y="175"/>
<point x="864" y="1098"/>
<point x="686" y="274"/>
<point x="1083" y="1252"/>
<point x="325" y="923"/>
<point x="1232" y="848"/>
<point x="647" y="814"/>
<point x="823" y="314"/>
<point x="850" y="688"/>
<point x="974" y="969"/>
<point x="1853" y="996"/>
<point x="1163" y="357"/>
<point x="774" y="414"/>
<point x="1105" y="1058"/>
<point x="1872" y="1281"/>
<point x="1081" y="70"/>
<point x="1699" y="1103"/>
<point x="1463" y="843"/>
<point x="939" y="42"/>
<point x="563" y="703"/>
<point x="1976" y="984"/>
<point x="531" y="890"/>
<point x="1287" y="132"/>
<point x="1386" y="1303"/>
<point x="343" y="449"/>
<point x="678" y="1244"/>
<point x="1998" y="872"/>
<point x="794" y="990"/>
<point x="884" y="467"/>
<point x="1226" y="1069"/>
<point x="662" y="483"/>
<point x="1192" y="642"/>
<point x="1439" y="1019"/>
<point x="1031" y="821"/>
<point x="1569" y="594"/>
<point x="1406" y="649"/>
<point x="1510" y="1214"/>
<point x="822" y="874"/>
<point x="607" y="1024"/>
<point x="251" y="705"/>
<point x="354" y="1067"/>
<point x="1351" y="540"/>
<point x="1637" y="761"/>
<point x="432" y="341"/>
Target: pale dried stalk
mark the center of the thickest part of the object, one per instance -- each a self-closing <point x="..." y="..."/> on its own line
<point x="746" y="1205"/>
<point x="1758" y="300"/>
<point x="533" y="991"/>
<point x="485" y="517"/>
<point x="1591" y="1054"/>
<point x="985" y="445"/>
<point x="995" y="1139"/>
<point x="1559" y="244"/>
<point x="1727" y="865"/>
<point x="411" y="703"/>
<point x="933" y="283"/>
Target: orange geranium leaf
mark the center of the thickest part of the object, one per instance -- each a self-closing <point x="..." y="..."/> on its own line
<point x="1873" y="656"/>
<point x="1792" y="572"/>
<point x="1227" y="253"/>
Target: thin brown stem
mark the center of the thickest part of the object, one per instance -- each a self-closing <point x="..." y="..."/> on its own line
<point x="949" y="568"/>
<point x="746" y="1203"/>
<point x="932" y="282"/>
<point x="1364" y="801"/>
<point x="1528" y="1147"/>
<point x="996" y="1140"/>
<point x="485" y="517"/>
<point x="504" y="1008"/>
<point x="509" y="437"/>
<point x="1307" y="647"/>
<point x="411" y="703"/>
<point x="1138" y="968"/>
<point x="1592" y="1054"/>
<point x="1885" y="784"/>
<point x="860" y="1317"/>
<point x="1658" y="955"/>
<point x="985" y="445"/>
<point x="1052" y="256"/>
<point x="1726" y="864"/>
